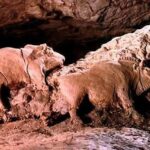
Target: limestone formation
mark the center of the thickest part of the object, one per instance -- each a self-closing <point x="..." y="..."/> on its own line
<point x="114" y="80"/>
<point x="134" y="45"/>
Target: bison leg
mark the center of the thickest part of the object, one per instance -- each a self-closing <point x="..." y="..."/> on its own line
<point x="128" y="106"/>
<point x="75" y="120"/>
<point x="126" y="102"/>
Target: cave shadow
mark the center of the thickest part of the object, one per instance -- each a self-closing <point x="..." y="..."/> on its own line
<point x="142" y="104"/>
<point x="108" y="117"/>
<point x="73" y="50"/>
<point x="5" y="97"/>
<point x="85" y="108"/>
<point x="112" y="116"/>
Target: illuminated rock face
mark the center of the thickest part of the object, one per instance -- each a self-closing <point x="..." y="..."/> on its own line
<point x="107" y="84"/>
<point x="31" y="101"/>
<point x="64" y="24"/>
<point x="132" y="45"/>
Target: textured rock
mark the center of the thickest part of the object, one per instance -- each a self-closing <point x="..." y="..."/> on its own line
<point x="37" y="21"/>
<point x="32" y="136"/>
<point x="135" y="45"/>
<point x="66" y="20"/>
<point x="30" y="63"/>
<point x="107" y="85"/>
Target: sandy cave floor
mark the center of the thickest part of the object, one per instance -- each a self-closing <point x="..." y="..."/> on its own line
<point x="33" y="135"/>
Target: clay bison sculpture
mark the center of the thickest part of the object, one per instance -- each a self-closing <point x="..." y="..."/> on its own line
<point x="107" y="83"/>
<point x="26" y="66"/>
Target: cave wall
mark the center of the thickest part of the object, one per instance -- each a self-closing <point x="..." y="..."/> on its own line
<point x="71" y="27"/>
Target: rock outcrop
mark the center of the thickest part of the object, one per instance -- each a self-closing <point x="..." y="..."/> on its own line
<point x="67" y="23"/>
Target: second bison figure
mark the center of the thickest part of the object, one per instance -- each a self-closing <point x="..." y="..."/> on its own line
<point x="106" y="84"/>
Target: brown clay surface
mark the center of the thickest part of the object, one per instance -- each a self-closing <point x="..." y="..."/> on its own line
<point x="32" y="135"/>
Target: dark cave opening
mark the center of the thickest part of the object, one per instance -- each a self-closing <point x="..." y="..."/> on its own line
<point x="66" y="42"/>
<point x="75" y="50"/>
<point x="72" y="41"/>
<point x="72" y="50"/>
<point x="84" y="109"/>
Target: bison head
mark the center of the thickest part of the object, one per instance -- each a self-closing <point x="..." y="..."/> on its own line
<point x="48" y="58"/>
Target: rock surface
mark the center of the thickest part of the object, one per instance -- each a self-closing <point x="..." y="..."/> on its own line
<point x="30" y="64"/>
<point x="135" y="45"/>
<point x="37" y="21"/>
<point x="61" y="21"/>
<point x="31" y="135"/>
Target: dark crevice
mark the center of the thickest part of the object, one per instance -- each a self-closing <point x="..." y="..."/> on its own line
<point x="56" y="118"/>
<point x="84" y="109"/>
<point x="5" y="97"/>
